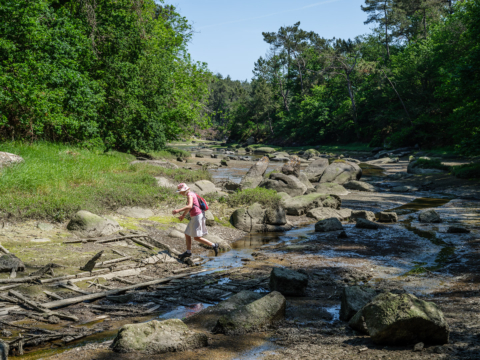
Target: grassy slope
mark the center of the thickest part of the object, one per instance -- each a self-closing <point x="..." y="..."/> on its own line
<point x="55" y="181"/>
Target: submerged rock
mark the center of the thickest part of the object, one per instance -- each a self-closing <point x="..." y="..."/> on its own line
<point x="403" y="319"/>
<point x="158" y="337"/>
<point x="254" y="316"/>
<point x="455" y="229"/>
<point x="429" y="216"/>
<point x="288" y="282"/>
<point x="367" y="224"/>
<point x="332" y="224"/>
<point x="353" y="299"/>
<point x="89" y="224"/>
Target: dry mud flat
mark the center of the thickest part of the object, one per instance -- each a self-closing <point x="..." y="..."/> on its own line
<point x="395" y="258"/>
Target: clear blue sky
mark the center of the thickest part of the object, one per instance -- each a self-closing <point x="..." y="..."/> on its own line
<point x="229" y="32"/>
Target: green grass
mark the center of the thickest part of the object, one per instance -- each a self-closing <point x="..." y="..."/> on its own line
<point x="56" y="180"/>
<point x="467" y="171"/>
<point x="431" y="164"/>
<point x="248" y="197"/>
<point x="170" y="153"/>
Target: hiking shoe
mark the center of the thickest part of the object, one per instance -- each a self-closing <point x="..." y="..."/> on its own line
<point x="184" y="255"/>
<point x="215" y="248"/>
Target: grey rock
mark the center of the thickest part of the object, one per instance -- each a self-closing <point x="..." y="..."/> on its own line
<point x="158" y="337"/>
<point x="429" y="216"/>
<point x="224" y="162"/>
<point x="455" y="229"/>
<point x="390" y="216"/>
<point x="404" y="188"/>
<point x="359" y="186"/>
<point x="88" y="224"/>
<point x="223" y="245"/>
<point x="353" y="299"/>
<point x="264" y="150"/>
<point x="333" y="202"/>
<point x="315" y="170"/>
<point x="45" y="226"/>
<point x="201" y="156"/>
<point x="327" y="213"/>
<point x="166" y="183"/>
<point x="331" y="188"/>
<point x="203" y="187"/>
<point x="363" y="214"/>
<point x="254" y="176"/>
<point x="288" y="282"/>
<point x="210" y="219"/>
<point x="257" y="315"/>
<point x="136" y="212"/>
<point x="332" y="224"/>
<point x="393" y="319"/>
<point x="418" y="346"/>
<point x="292" y="167"/>
<point x="414" y="169"/>
<point x="367" y="224"/>
<point x="175" y="233"/>
<point x="303" y="178"/>
<point x="4" y="350"/>
<point x="341" y="172"/>
<point x="7" y="159"/>
<point x="284" y="183"/>
<point x="276" y="216"/>
<point x="9" y="262"/>
<point x="299" y="205"/>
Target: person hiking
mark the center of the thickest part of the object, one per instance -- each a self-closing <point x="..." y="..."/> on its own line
<point x="197" y="226"/>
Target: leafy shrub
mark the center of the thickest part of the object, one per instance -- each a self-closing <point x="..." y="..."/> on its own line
<point x="248" y="197"/>
<point x="467" y="171"/>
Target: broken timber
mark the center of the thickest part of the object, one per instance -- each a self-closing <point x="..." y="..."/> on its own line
<point x="99" y="295"/>
<point x="91" y="263"/>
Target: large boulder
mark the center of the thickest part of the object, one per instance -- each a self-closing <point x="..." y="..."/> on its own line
<point x="363" y="214"/>
<point x="257" y="219"/>
<point x="303" y="178"/>
<point x="209" y="218"/>
<point x="135" y="212"/>
<point x="158" y="337"/>
<point x="91" y="225"/>
<point x="203" y="187"/>
<point x="387" y="216"/>
<point x="264" y="150"/>
<point x="332" y="224"/>
<point x="257" y="315"/>
<point x="327" y="213"/>
<point x="254" y="176"/>
<point x="393" y="319"/>
<point x="208" y="318"/>
<point x="341" y="172"/>
<point x="288" y="282"/>
<point x="429" y="216"/>
<point x="292" y="167"/>
<point x="300" y="205"/>
<point x="284" y="183"/>
<point x="315" y="170"/>
<point x="310" y="153"/>
<point x="359" y="186"/>
<point x="353" y="299"/>
<point x="166" y="183"/>
<point x="7" y="159"/>
<point x="331" y="188"/>
<point x="9" y="262"/>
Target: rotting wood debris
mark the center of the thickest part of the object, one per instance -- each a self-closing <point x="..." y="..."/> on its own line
<point x="20" y="305"/>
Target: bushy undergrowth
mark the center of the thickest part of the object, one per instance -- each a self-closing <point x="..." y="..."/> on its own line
<point x="55" y="181"/>
<point x="248" y="197"/>
<point x="431" y="164"/>
<point x="467" y="171"/>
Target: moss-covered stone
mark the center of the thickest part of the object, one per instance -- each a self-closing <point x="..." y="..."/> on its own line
<point x="158" y="337"/>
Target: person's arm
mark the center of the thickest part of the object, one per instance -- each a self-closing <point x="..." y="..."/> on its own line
<point x="185" y="209"/>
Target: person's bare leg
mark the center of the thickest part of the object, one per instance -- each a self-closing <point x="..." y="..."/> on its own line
<point x="203" y="241"/>
<point x="188" y="241"/>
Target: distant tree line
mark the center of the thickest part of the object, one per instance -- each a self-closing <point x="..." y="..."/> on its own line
<point x="104" y="73"/>
<point x="413" y="80"/>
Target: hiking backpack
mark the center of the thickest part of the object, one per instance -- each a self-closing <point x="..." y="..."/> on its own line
<point x="202" y="202"/>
